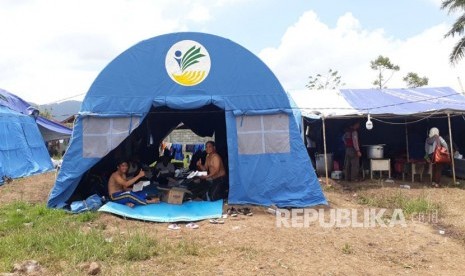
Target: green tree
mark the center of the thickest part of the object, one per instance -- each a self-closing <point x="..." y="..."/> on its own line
<point x="383" y="65"/>
<point x="45" y="112"/>
<point x="331" y="80"/>
<point x="456" y="29"/>
<point x="413" y="80"/>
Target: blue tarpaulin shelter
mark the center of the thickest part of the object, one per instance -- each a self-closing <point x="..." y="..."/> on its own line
<point x="50" y="130"/>
<point x="212" y="85"/>
<point x="408" y="113"/>
<point x="401" y="102"/>
<point x="22" y="148"/>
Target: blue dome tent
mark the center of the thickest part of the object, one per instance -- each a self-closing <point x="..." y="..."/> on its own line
<point x="213" y="86"/>
<point x="22" y="148"/>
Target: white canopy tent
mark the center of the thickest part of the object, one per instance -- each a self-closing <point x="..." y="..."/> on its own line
<point x="322" y="103"/>
<point x="395" y="103"/>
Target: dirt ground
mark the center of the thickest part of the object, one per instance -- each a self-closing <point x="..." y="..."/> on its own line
<point x="255" y="246"/>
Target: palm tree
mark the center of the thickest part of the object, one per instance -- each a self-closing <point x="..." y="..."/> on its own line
<point x="457" y="28"/>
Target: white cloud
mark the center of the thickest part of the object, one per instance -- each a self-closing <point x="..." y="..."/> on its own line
<point x="436" y="2"/>
<point x="310" y="47"/>
<point x="53" y="49"/>
<point x="199" y="14"/>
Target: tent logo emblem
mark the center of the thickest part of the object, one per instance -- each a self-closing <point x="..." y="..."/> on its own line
<point x="187" y="63"/>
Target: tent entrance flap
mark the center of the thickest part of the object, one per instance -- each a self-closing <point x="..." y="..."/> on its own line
<point x="206" y="121"/>
<point x="143" y="143"/>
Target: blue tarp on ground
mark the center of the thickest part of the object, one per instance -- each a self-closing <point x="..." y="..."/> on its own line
<point x="22" y="149"/>
<point x="274" y="168"/>
<point x="164" y="212"/>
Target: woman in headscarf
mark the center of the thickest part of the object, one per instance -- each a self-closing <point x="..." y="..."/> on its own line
<point x="430" y="146"/>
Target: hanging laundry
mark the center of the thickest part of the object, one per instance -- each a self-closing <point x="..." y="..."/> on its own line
<point x="176" y="152"/>
<point x="199" y="147"/>
<point x="190" y="148"/>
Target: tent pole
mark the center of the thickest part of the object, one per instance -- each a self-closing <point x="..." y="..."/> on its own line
<point x="406" y="141"/>
<point x="302" y="129"/>
<point x="324" y="148"/>
<point x="461" y="87"/>
<point x="451" y="148"/>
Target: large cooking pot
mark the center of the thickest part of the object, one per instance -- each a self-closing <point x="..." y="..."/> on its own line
<point x="320" y="163"/>
<point x="375" y="151"/>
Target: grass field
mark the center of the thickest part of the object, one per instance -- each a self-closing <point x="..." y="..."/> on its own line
<point x="61" y="243"/>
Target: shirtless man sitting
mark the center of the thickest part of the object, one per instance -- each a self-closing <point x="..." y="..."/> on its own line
<point x="213" y="164"/>
<point x="214" y="183"/>
<point x="120" y="191"/>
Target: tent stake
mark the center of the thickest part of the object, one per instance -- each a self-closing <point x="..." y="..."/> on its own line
<point x="324" y="148"/>
<point x="451" y="148"/>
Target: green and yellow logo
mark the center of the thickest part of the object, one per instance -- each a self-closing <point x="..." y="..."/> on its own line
<point x="187" y="63"/>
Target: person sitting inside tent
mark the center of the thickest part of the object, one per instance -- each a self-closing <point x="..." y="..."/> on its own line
<point x="198" y="155"/>
<point x="212" y="186"/>
<point x="119" y="187"/>
<point x="135" y="165"/>
<point x="165" y="169"/>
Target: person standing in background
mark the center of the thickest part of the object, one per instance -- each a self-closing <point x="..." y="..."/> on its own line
<point x="430" y="145"/>
<point x="352" y="153"/>
<point x="311" y="145"/>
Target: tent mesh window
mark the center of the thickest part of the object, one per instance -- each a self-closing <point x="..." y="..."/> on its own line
<point x="101" y="135"/>
<point x="262" y="134"/>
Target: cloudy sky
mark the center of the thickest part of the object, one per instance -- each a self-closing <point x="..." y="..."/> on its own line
<point x="51" y="50"/>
